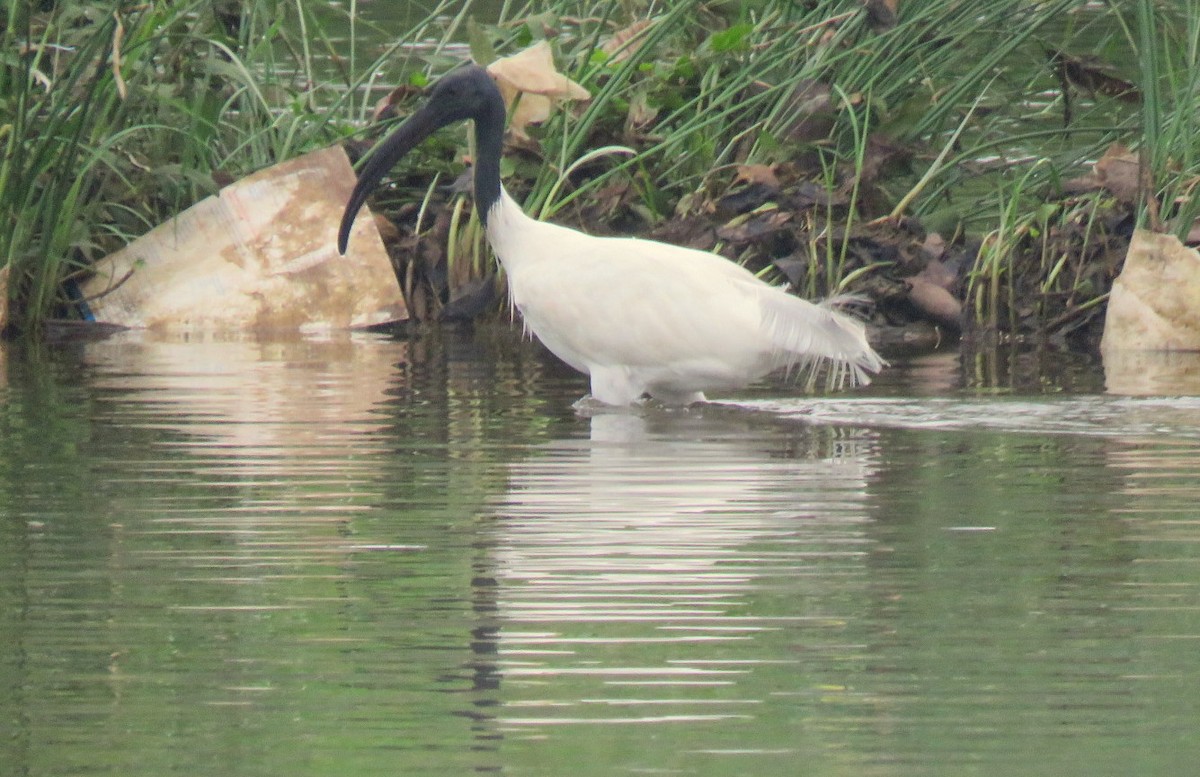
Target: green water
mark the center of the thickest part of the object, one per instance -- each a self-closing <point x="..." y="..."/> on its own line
<point x="366" y="556"/>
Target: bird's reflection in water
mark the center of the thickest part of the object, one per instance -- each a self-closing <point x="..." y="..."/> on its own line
<point x="623" y="560"/>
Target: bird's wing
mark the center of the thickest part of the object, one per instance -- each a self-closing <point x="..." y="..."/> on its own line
<point x="802" y="335"/>
<point x="636" y="302"/>
<point x="810" y="337"/>
<point x="639" y="303"/>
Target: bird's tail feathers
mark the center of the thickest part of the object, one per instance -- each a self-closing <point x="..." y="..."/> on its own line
<point x="857" y="306"/>
<point x="814" y="341"/>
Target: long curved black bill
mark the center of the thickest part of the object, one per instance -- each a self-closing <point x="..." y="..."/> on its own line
<point x="415" y="129"/>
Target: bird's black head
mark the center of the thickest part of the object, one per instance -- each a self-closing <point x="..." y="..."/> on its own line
<point x="466" y="93"/>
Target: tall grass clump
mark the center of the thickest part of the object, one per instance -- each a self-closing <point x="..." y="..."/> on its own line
<point x="950" y="112"/>
<point x="120" y="115"/>
<point x="1166" y="37"/>
<point x="1057" y="255"/>
<point x="698" y="90"/>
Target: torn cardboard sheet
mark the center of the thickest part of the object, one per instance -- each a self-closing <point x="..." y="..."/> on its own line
<point x="260" y="256"/>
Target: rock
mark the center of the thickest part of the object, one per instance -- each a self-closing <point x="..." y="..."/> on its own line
<point x="1155" y="302"/>
<point x="1151" y="373"/>
<point x="934" y="302"/>
<point x="260" y="256"/>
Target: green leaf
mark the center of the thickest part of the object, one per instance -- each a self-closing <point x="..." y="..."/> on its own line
<point x="732" y="39"/>
<point x="480" y="43"/>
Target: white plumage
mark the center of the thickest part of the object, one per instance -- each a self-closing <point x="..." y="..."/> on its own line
<point x="639" y="317"/>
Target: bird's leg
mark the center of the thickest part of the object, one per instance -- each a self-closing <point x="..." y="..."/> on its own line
<point x="678" y="398"/>
<point x="615" y="386"/>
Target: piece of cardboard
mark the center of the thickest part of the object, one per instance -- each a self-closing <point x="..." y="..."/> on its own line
<point x="260" y="256"/>
<point x="1155" y="301"/>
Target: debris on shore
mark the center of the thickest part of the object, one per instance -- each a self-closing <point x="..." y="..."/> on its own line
<point x="259" y="256"/>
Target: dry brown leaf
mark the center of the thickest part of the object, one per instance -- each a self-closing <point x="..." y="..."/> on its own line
<point x="811" y="103"/>
<point x="935" y="302"/>
<point x="531" y="74"/>
<point x="625" y="42"/>
<point x="532" y="71"/>
<point x="883" y="152"/>
<point x="118" y="38"/>
<point x="881" y="14"/>
<point x="385" y="107"/>
<point x="530" y="109"/>
<point x="1118" y="171"/>
<point x="760" y="174"/>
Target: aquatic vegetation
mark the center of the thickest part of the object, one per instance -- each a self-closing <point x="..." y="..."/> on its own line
<point x="119" y="116"/>
<point x="783" y="135"/>
<point x="71" y="88"/>
<point x="824" y="143"/>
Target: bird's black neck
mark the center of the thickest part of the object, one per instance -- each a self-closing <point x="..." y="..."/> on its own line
<point x="489" y="142"/>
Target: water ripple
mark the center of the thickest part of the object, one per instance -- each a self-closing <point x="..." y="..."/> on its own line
<point x="653" y="538"/>
<point x="1103" y="416"/>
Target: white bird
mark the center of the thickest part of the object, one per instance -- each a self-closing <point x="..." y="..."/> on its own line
<point x="637" y="316"/>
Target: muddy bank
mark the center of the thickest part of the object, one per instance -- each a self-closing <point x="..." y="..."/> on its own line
<point x="921" y="282"/>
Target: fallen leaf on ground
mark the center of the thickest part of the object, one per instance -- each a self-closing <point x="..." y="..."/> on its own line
<point x="753" y="226"/>
<point x="625" y="42"/>
<point x="1118" y="172"/>
<point x="385" y="108"/>
<point x="881" y="14"/>
<point x="928" y="291"/>
<point x="812" y="105"/>
<point x="531" y="74"/>
<point x="761" y="174"/>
